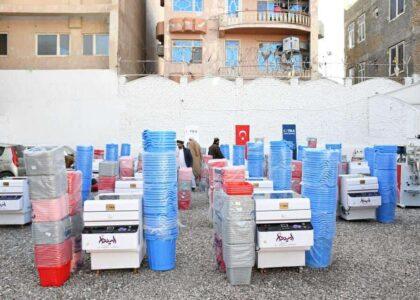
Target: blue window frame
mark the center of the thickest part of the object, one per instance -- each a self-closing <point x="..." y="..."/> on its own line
<point x="232" y="53"/>
<point x="187" y="51"/>
<point x="188" y="5"/>
<point x="233" y="6"/>
<point x="268" y="60"/>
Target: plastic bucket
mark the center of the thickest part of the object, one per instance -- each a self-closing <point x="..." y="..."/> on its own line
<point x="161" y="254"/>
<point x="320" y="254"/>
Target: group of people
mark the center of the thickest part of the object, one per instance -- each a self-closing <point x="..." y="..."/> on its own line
<point x="191" y="157"/>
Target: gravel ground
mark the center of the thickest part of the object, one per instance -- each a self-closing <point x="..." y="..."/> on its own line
<point x="370" y="260"/>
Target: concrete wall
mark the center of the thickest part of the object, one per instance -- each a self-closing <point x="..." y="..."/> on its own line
<point x="94" y="107"/>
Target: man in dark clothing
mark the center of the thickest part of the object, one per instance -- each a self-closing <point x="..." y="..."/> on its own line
<point x="215" y="151"/>
<point x="184" y="156"/>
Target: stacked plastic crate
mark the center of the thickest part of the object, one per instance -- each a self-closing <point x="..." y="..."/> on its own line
<point x="108" y="173"/>
<point x="111" y="153"/>
<point x="84" y="162"/>
<point x="213" y="185"/>
<point x="222" y="176"/>
<point x="125" y="149"/>
<point x="74" y="190"/>
<point x="225" y="149"/>
<point x="160" y="203"/>
<point x="385" y="168"/>
<point x="185" y="176"/>
<point x="280" y="165"/>
<point x="126" y="164"/>
<point x="319" y="184"/>
<point x="238" y="227"/>
<point x="204" y="176"/>
<point x="297" y="176"/>
<point x="238" y="155"/>
<point x="256" y="159"/>
<point x="51" y="226"/>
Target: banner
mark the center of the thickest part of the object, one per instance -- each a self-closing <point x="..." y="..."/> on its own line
<point x="192" y="132"/>
<point x="242" y="134"/>
<point x="289" y="134"/>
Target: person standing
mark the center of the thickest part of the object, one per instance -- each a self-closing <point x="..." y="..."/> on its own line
<point x="197" y="157"/>
<point x="215" y="151"/>
<point x="184" y="159"/>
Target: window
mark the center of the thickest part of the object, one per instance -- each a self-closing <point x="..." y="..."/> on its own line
<point x="351" y="35"/>
<point x="232" y="53"/>
<point x="188" y="5"/>
<point x="362" y="72"/>
<point x="53" y="44"/>
<point x="96" y="44"/>
<point x="233" y="6"/>
<point x="268" y="58"/>
<point x="3" y="43"/>
<point x="188" y="51"/>
<point x="396" y="8"/>
<point x="361" y="29"/>
<point x="396" y="59"/>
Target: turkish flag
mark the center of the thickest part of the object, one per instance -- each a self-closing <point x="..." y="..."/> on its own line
<point x="242" y="134"/>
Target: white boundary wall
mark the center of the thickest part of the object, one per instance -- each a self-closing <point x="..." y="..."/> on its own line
<point x="94" y="107"/>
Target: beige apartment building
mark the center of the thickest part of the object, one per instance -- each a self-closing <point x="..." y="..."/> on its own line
<point x="247" y="38"/>
<point x="72" y="34"/>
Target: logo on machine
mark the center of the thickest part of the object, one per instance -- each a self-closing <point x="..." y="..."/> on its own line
<point x="286" y="239"/>
<point x="103" y="240"/>
<point x="365" y="201"/>
<point x="3" y="204"/>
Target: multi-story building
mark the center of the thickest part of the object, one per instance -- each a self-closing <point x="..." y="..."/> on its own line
<point x="72" y="34"/>
<point x="382" y="39"/>
<point x="247" y="38"/>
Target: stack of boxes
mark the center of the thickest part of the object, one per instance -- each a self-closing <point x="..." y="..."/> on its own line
<point x="238" y="231"/>
<point x="74" y="190"/>
<point x="126" y="166"/>
<point x="108" y="173"/>
<point x="297" y="176"/>
<point x="51" y="227"/>
<point x="204" y="178"/>
<point x="214" y="185"/>
<point x="185" y="176"/>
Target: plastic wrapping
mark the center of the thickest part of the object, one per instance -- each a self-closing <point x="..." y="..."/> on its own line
<point x="76" y="225"/>
<point x="125" y="150"/>
<point x="160" y="226"/>
<point x="108" y="168"/>
<point x="320" y="256"/>
<point x="238" y="155"/>
<point x="238" y="208"/>
<point x="50" y="210"/>
<point x="106" y="184"/>
<point x="239" y="276"/>
<point x="47" y="233"/>
<point x="239" y="255"/>
<point x="54" y="276"/>
<point x="385" y="165"/>
<point x="52" y="255"/>
<point x="84" y="161"/>
<point x="255" y="159"/>
<point x="126" y="166"/>
<point x="111" y="153"/>
<point x="185" y="174"/>
<point x="47" y="186"/>
<point x="280" y="165"/>
<point x="233" y="174"/>
<point x="44" y="161"/>
<point x="74" y="182"/>
<point x="75" y="203"/>
<point x="225" y="149"/>
<point x="238" y="231"/>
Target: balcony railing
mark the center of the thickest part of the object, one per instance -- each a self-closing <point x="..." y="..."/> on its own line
<point x="263" y="18"/>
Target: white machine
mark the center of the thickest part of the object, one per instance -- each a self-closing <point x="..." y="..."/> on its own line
<point x="284" y="229"/>
<point x="15" y="205"/>
<point x="113" y="233"/>
<point x="359" y="197"/>
<point x="261" y="186"/>
<point x="130" y="186"/>
<point x="359" y="167"/>
<point x="409" y="177"/>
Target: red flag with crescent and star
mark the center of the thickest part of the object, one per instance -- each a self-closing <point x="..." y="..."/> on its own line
<point x="242" y="134"/>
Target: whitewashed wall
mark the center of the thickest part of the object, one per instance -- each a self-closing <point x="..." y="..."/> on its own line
<point x="93" y="107"/>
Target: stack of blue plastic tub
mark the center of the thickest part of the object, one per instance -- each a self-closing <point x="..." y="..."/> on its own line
<point x="238" y="155"/>
<point x="369" y="154"/>
<point x="336" y="147"/>
<point x="385" y="168"/>
<point x="301" y="150"/>
<point x="160" y="198"/>
<point x="319" y="184"/>
<point x="84" y="160"/>
<point x="225" y="151"/>
<point x="255" y="159"/>
<point x="111" y="152"/>
<point x="281" y="165"/>
<point x="125" y="150"/>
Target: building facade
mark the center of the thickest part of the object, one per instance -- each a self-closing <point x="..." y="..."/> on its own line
<point x="247" y="38"/>
<point x="382" y="39"/>
<point x="72" y="34"/>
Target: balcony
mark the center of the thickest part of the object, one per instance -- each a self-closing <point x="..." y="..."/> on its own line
<point x="286" y="19"/>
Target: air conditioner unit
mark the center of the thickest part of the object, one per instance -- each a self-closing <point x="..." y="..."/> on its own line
<point x="291" y="44"/>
